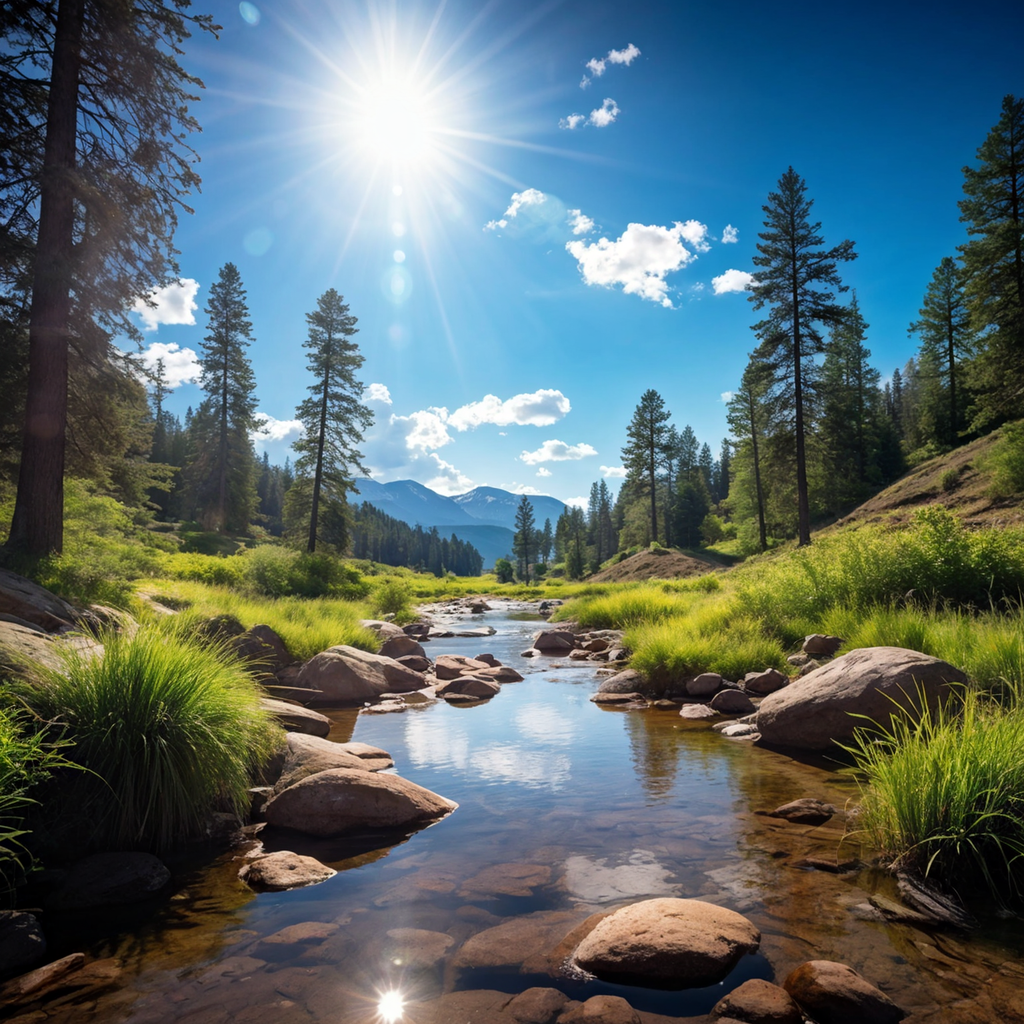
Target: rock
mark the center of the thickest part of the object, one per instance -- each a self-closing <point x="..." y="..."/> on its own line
<point x="941" y="907"/>
<point x="808" y="667"/>
<point x="18" y="989"/>
<point x="345" y="675"/>
<point x="220" y="627"/>
<point x="276" y="872"/>
<point x="110" y="878"/>
<point x="295" y="718"/>
<point x="367" y="753"/>
<point x="507" y="880"/>
<point x="22" y="942"/>
<point x="477" y="633"/>
<point x="516" y="942"/>
<point x="32" y="603"/>
<point x="310" y="755"/>
<point x="738" y="730"/>
<point x="579" y="655"/>
<point x="347" y="800"/>
<point x="554" y="641"/>
<point x="684" y="943"/>
<point x="697" y="711"/>
<point x="759" y="1002"/>
<point x="537" y="1005"/>
<point x="664" y="705"/>
<point x="417" y="630"/>
<point x="416" y="662"/>
<point x="23" y="645"/>
<point x="262" y="646"/>
<point x="833" y="993"/>
<point x="468" y="686"/>
<point x="820" y="645"/>
<point x="596" y="645"/>
<point x="451" y="666"/>
<point x="627" y="681"/>
<point x="384" y="630"/>
<point x="732" y="702"/>
<point x="805" y="811"/>
<point x="618" y="698"/>
<point x="617" y="654"/>
<point x="401" y="647"/>
<point x="283" y="945"/>
<point x="703" y="685"/>
<point x="768" y="681"/>
<point x="818" y="710"/>
<point x="797" y="660"/>
<point x="487" y="659"/>
<point x="416" y="948"/>
<point x="500" y="674"/>
<point x="601" y="1010"/>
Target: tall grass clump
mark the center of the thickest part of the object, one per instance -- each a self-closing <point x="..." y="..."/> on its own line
<point x="166" y="730"/>
<point x="626" y="607"/>
<point x="1007" y="462"/>
<point x="392" y="596"/>
<point x="944" y="795"/>
<point x="27" y="759"/>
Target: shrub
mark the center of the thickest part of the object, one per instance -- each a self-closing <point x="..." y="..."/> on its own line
<point x="167" y="730"/>
<point x="392" y="596"/>
<point x="1007" y="462"/>
<point x="950" y="478"/>
<point x="269" y="570"/>
<point x="945" y="795"/>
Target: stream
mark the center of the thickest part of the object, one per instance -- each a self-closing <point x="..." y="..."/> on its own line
<point x="565" y="809"/>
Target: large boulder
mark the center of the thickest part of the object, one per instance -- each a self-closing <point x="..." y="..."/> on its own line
<point x="682" y="943"/>
<point x="296" y="718"/>
<point x="277" y="872"/>
<point x="821" y="645"/>
<point x="348" y="800"/>
<point x="758" y="1002"/>
<point x="834" y="993"/>
<point x="829" y="704"/>
<point x="500" y="674"/>
<point x="384" y="630"/>
<point x="451" y="666"/>
<point x="626" y="681"/>
<point x="23" y="645"/>
<point x="262" y="647"/>
<point x="346" y="675"/>
<point x="25" y="600"/>
<point x="401" y="647"/>
<point x="469" y="686"/>
<point x="310" y="755"/>
<point x="732" y="702"/>
<point x="554" y="641"/>
<point x="762" y="683"/>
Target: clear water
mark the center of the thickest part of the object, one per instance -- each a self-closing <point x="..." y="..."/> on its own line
<point x="606" y="806"/>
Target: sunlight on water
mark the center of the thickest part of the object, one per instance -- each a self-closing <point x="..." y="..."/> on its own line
<point x="390" y="1007"/>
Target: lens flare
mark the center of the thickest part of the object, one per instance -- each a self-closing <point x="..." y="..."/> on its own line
<point x="390" y="1007"/>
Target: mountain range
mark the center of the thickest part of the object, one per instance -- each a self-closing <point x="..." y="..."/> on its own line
<point x="484" y="517"/>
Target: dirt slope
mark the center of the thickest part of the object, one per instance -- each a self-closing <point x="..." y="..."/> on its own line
<point x="661" y="564"/>
<point x="969" y="496"/>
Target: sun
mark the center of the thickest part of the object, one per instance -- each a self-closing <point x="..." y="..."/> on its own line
<point x="397" y="122"/>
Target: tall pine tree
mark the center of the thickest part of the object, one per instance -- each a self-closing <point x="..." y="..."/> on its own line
<point x="334" y="418"/>
<point x="793" y="278"/>
<point x="644" y="453"/>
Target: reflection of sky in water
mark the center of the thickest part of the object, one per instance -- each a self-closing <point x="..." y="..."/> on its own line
<point x="441" y="742"/>
<point x="640" y="875"/>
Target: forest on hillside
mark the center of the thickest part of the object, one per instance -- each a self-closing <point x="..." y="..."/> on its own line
<point x="87" y="216"/>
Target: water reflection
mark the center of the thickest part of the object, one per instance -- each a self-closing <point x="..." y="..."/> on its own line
<point x="639" y="876"/>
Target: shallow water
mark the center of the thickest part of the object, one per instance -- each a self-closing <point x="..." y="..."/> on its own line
<point x="565" y="809"/>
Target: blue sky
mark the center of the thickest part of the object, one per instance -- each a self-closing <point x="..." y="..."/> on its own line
<point x="539" y="211"/>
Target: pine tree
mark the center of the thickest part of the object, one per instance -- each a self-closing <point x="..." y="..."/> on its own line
<point x="333" y="416"/>
<point x="747" y="420"/>
<point x="993" y="209"/>
<point x="793" y="279"/>
<point x="576" y="529"/>
<point x="94" y="168"/>
<point x="221" y="477"/>
<point x="724" y="463"/>
<point x="522" y="544"/>
<point x="944" y="330"/>
<point x="547" y="541"/>
<point x="644" y="453"/>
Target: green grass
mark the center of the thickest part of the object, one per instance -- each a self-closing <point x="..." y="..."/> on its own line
<point x="307" y="626"/>
<point x="945" y="795"/>
<point x="166" y="730"/>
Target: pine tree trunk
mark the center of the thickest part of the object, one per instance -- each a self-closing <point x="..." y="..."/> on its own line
<point x="802" y="503"/>
<point x="761" y="528"/>
<point x="318" y="475"/>
<point x="37" y="528"/>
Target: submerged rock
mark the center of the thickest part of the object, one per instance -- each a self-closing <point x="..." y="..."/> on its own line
<point x="833" y="993"/>
<point x="683" y="943"/>
<point x="805" y="811"/>
<point x="110" y="878"/>
<point x="760" y="1002"/>
<point x="828" y="705"/>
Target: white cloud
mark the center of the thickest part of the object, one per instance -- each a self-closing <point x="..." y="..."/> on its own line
<point x="582" y="502"/>
<point x="732" y="281"/>
<point x="528" y="197"/>
<point x="599" y="117"/>
<point x="614" y="472"/>
<point x="448" y="480"/>
<point x="641" y="258"/>
<point x="730" y="234"/>
<point x="272" y="429"/>
<point x="543" y="472"/>
<point x="597" y="65"/>
<point x="175" y="303"/>
<point x="605" y="114"/>
<point x="377" y="393"/>
<point x="580" y="223"/>
<point x="728" y="396"/>
<point x="539" y="409"/>
<point x="181" y="365"/>
<point x="426" y="429"/>
<point x="524" y="489"/>
<point x="557" y="451"/>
